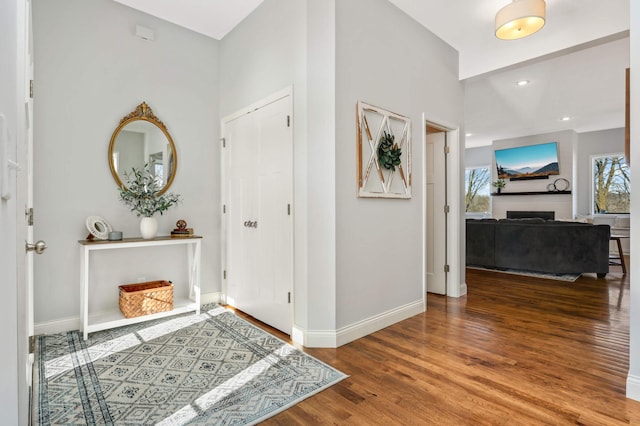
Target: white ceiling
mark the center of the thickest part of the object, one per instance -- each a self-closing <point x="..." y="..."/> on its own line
<point x="588" y="86"/>
<point x="575" y="62"/>
<point x="468" y="26"/>
<point x="213" y="18"/>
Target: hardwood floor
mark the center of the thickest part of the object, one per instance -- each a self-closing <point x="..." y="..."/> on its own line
<point x="513" y="351"/>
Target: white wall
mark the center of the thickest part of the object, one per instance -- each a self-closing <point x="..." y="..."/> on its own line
<point x="633" y="381"/>
<point x="292" y="43"/>
<point x="303" y="47"/>
<point x="90" y="71"/>
<point x="561" y="204"/>
<point x="479" y="157"/>
<point x="593" y="143"/>
<point x="385" y="58"/>
<point x="321" y="169"/>
<point x="264" y="54"/>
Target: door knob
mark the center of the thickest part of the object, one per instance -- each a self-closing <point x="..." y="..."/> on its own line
<point x="39" y="247"/>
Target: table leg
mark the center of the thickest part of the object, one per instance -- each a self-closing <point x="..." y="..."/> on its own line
<point x="621" y="254"/>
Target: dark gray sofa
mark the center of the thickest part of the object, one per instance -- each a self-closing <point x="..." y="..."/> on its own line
<point x="538" y="245"/>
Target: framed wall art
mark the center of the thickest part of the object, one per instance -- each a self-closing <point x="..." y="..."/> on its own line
<point x="383" y="153"/>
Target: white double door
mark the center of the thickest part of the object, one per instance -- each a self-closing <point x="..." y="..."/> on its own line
<point x="258" y="202"/>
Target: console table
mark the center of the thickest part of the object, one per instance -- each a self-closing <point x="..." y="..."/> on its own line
<point x="106" y="320"/>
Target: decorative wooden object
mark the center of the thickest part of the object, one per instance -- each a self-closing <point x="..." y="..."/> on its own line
<point x="181" y="229"/>
<point x="374" y="180"/>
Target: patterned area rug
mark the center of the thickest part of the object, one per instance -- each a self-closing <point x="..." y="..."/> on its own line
<point x="559" y="277"/>
<point x="214" y="368"/>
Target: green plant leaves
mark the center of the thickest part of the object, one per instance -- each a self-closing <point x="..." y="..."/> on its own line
<point x="141" y="193"/>
<point x="388" y="152"/>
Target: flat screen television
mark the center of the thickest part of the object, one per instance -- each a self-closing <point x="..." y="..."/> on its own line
<point x="528" y="162"/>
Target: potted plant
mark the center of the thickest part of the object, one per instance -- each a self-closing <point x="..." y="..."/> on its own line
<point x="142" y="194"/>
<point x="499" y="184"/>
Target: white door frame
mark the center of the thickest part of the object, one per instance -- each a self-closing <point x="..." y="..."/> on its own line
<point x="286" y="92"/>
<point x="455" y="285"/>
<point x="436" y="191"/>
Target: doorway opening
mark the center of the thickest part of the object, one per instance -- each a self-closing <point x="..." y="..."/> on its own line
<point x="436" y="150"/>
<point x="443" y="215"/>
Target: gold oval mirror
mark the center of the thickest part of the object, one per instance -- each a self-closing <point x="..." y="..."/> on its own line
<point x="140" y="140"/>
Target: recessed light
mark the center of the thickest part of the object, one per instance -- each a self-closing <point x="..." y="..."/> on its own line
<point x="565" y="118"/>
<point x="522" y="82"/>
<point x="468" y="134"/>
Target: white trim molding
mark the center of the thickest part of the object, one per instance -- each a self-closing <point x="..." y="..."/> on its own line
<point x="214" y="297"/>
<point x="456" y="286"/>
<point x="463" y="289"/>
<point x="344" y="335"/>
<point x="57" y="326"/>
<point x="633" y="387"/>
<point x="378" y="322"/>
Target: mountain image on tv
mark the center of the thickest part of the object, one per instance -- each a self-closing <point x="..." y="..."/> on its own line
<point x="528" y="162"/>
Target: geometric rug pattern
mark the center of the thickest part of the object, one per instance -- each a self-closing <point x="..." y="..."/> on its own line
<point x="212" y="368"/>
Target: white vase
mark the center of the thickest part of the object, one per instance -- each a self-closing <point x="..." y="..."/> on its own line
<point x="148" y="227"/>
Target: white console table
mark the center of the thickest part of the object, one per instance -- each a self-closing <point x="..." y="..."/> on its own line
<point x="106" y="320"/>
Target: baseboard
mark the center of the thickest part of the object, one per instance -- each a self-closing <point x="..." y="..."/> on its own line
<point x="210" y="298"/>
<point x="320" y="339"/>
<point x="378" y="322"/>
<point x="73" y="323"/>
<point x="633" y="387"/>
<point x="344" y="335"/>
<point x="57" y="326"/>
<point x="463" y="289"/>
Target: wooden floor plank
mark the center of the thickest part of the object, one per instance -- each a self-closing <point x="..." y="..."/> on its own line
<point x="513" y="351"/>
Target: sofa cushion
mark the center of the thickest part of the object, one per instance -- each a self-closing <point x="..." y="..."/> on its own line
<point x="554" y="247"/>
<point x="524" y="220"/>
<point x="480" y="242"/>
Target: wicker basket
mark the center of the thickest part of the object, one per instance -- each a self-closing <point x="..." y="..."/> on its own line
<point x="146" y="298"/>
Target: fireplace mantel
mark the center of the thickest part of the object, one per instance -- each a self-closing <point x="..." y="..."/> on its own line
<point x="532" y="193"/>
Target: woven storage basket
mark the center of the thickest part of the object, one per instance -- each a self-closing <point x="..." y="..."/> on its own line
<point x="146" y="298"/>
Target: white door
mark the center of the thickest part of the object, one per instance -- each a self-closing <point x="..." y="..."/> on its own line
<point x="24" y="199"/>
<point x="436" y="216"/>
<point x="258" y="162"/>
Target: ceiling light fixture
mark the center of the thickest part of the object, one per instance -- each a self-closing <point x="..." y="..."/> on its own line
<point x="523" y="82"/>
<point x="520" y="19"/>
<point x="565" y="118"/>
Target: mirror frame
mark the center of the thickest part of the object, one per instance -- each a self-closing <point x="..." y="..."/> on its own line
<point x="143" y="112"/>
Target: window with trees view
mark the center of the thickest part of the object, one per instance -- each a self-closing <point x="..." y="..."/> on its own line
<point x="611" y="185"/>
<point x="477" y="188"/>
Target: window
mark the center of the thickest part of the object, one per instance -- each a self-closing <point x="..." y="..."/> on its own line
<point x="611" y="185"/>
<point x="477" y="188"/>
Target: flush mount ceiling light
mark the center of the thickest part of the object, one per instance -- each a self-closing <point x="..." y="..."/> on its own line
<point x="520" y="19"/>
<point x="522" y="82"/>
